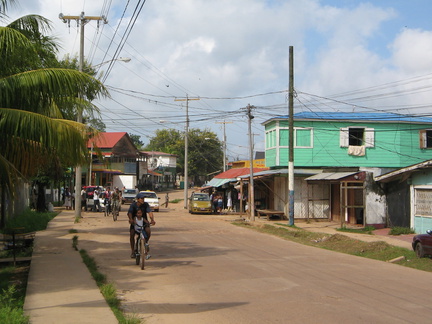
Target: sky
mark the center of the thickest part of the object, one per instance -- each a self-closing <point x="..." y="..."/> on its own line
<point x="349" y="55"/>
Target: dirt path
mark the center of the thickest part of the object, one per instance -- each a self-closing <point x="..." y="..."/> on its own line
<point x="205" y="270"/>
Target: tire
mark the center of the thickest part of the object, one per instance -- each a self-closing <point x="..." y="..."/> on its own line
<point x="137" y="258"/>
<point x="142" y="253"/>
<point x="419" y="250"/>
<point x="115" y="213"/>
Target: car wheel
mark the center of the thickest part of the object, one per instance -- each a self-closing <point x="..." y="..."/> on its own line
<point x="419" y="250"/>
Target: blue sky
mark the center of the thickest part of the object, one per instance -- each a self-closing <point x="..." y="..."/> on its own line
<point x="223" y="51"/>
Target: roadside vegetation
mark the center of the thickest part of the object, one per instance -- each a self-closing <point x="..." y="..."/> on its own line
<point x="341" y="243"/>
<point x="107" y="289"/>
<point x="13" y="279"/>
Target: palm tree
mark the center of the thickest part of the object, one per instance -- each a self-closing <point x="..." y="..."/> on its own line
<point x="34" y="101"/>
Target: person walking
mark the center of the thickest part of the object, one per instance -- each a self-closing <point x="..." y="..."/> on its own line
<point x="166" y="200"/>
<point x="96" y="201"/>
<point x="68" y="199"/>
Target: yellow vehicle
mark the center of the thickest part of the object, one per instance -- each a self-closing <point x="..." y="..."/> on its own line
<point x="199" y="202"/>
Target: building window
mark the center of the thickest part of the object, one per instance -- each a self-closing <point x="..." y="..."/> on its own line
<point x="426" y="138"/>
<point x="271" y="139"/>
<point x="357" y="136"/>
<point x="303" y="137"/>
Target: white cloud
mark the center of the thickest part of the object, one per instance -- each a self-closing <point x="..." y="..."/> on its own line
<point x="231" y="48"/>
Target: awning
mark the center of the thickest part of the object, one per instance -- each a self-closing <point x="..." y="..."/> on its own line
<point x="154" y="173"/>
<point x="331" y="175"/>
<point x="215" y="182"/>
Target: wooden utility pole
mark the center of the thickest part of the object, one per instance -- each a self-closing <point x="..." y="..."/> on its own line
<point x="224" y="143"/>
<point x="186" y="148"/>
<point x="251" y="182"/>
<point x="291" y="138"/>
<point x="81" y="21"/>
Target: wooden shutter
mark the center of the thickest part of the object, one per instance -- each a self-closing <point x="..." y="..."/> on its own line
<point x="369" y="137"/>
<point x="344" y="135"/>
<point x="423" y="141"/>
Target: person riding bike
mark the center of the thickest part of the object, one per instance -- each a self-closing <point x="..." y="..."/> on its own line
<point x="107" y="200"/>
<point x="132" y="212"/>
<point x="140" y="224"/>
<point x="115" y="200"/>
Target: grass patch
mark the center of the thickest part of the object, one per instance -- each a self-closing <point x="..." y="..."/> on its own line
<point x="364" y="230"/>
<point x="13" y="280"/>
<point x="341" y="243"/>
<point x="29" y="221"/>
<point x="401" y="230"/>
<point x="11" y="310"/>
<point x="175" y="201"/>
<point x="107" y="289"/>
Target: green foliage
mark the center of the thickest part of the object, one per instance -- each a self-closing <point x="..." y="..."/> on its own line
<point x="75" y="242"/>
<point x="11" y="310"/>
<point x="205" y="152"/>
<point x="108" y="290"/>
<point x="136" y="139"/>
<point x="401" y="230"/>
<point x="363" y="230"/>
<point x="29" y="221"/>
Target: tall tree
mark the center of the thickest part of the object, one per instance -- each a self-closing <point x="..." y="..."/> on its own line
<point x="34" y="101"/>
<point x="136" y="139"/>
<point x="205" y="153"/>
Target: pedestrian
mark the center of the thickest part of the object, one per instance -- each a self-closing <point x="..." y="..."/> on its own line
<point x="166" y="200"/>
<point x="229" y="201"/>
<point x="83" y="199"/>
<point x="96" y="201"/>
<point x="68" y="199"/>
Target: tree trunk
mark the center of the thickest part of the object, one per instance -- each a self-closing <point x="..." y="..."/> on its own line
<point x="41" y="205"/>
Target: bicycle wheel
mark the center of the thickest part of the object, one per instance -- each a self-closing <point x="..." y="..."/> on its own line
<point x="137" y="254"/>
<point x="115" y="212"/>
<point x="142" y="253"/>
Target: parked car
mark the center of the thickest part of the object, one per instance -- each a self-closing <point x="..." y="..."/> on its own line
<point x="199" y="202"/>
<point x="89" y="196"/>
<point x="128" y="195"/>
<point x="152" y="199"/>
<point x="422" y="244"/>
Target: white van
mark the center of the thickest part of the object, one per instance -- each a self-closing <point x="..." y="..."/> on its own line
<point x="152" y="199"/>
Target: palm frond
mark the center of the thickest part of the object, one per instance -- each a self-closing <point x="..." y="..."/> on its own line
<point x="38" y="90"/>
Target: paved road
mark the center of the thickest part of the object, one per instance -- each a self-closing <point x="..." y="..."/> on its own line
<point x="206" y="270"/>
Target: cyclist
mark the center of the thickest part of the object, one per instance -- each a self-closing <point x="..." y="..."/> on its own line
<point x="132" y="212"/>
<point x="115" y="200"/>
<point x="139" y="223"/>
<point x="107" y="200"/>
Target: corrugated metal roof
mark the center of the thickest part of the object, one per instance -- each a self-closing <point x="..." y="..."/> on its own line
<point x="218" y="182"/>
<point x="106" y="140"/>
<point x="348" y="116"/>
<point x="330" y="175"/>
<point x="406" y="171"/>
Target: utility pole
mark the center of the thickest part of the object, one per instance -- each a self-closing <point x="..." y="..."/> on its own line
<point x="224" y="143"/>
<point x="186" y="182"/>
<point x="81" y="21"/>
<point x="251" y="182"/>
<point x="291" y="138"/>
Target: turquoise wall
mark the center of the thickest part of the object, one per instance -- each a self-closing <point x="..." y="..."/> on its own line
<point x="395" y="145"/>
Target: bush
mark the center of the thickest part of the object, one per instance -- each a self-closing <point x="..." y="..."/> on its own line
<point x="29" y="221"/>
<point x="401" y="230"/>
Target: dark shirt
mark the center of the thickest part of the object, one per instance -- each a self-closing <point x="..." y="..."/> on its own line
<point x="145" y="207"/>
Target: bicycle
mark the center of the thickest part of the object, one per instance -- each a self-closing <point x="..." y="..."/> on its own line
<point x="107" y="207"/>
<point x="141" y="247"/>
<point x="115" y="209"/>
